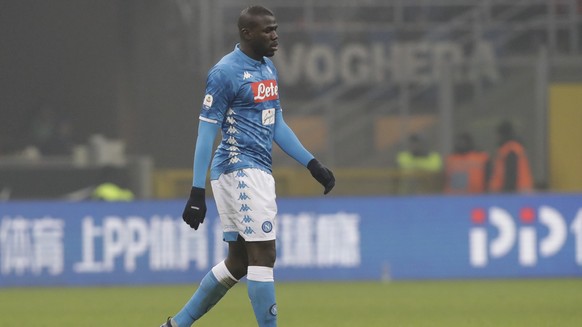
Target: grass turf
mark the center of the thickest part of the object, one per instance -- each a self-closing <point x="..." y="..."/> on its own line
<point x="437" y="303"/>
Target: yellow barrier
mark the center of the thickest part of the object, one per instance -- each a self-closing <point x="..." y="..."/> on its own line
<point x="298" y="182"/>
<point x="565" y="133"/>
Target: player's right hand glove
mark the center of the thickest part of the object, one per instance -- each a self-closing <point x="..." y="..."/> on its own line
<point x="195" y="210"/>
<point x="322" y="174"/>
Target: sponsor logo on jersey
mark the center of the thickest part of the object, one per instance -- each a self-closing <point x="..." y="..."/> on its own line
<point x="269" y="116"/>
<point x="207" y="101"/>
<point x="246" y="75"/>
<point x="265" y="90"/>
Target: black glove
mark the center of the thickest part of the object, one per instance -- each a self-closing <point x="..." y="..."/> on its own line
<point x="195" y="210"/>
<point x="322" y="174"/>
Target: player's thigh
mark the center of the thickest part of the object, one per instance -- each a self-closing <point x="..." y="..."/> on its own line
<point x="261" y="253"/>
<point x="237" y="259"/>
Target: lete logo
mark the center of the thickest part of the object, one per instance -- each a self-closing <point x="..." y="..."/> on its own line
<point x="265" y="90"/>
<point x="481" y="249"/>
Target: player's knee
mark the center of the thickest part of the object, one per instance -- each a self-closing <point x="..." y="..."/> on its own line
<point x="237" y="266"/>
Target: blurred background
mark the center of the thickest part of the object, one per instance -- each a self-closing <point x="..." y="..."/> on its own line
<point x="110" y="91"/>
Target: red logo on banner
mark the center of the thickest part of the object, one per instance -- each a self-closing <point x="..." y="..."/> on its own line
<point x="265" y="90"/>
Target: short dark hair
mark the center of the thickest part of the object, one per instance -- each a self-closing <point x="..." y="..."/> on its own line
<point x="245" y="20"/>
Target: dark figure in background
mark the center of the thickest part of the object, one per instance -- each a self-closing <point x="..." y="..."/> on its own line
<point x="61" y="141"/>
<point x="466" y="169"/>
<point x="511" y="169"/>
<point x="50" y="133"/>
<point x="242" y="100"/>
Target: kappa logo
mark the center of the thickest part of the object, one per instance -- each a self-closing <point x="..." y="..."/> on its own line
<point x="247" y="219"/>
<point x="232" y="130"/>
<point x="242" y="185"/>
<point x="265" y="90"/>
<point x="244" y="208"/>
<point x="241" y="173"/>
<point x="247" y="75"/>
<point x="495" y="233"/>
<point x="243" y="196"/>
<point x="230" y="120"/>
<point x="248" y="231"/>
<point x="233" y="158"/>
<point x="232" y="141"/>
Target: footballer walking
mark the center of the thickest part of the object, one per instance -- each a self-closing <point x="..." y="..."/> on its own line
<point x="242" y="101"/>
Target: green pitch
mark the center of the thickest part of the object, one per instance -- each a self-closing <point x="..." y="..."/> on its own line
<point x="450" y="303"/>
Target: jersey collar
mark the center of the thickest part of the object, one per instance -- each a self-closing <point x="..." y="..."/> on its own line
<point x="246" y="58"/>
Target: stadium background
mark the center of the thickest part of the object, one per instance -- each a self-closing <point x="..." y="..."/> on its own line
<point x="357" y="78"/>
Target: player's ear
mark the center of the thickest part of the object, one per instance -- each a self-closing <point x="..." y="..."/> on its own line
<point x="246" y="33"/>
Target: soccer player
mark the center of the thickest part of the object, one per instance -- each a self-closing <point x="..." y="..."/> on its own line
<point x="242" y="99"/>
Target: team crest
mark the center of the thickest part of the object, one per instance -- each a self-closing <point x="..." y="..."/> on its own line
<point x="267" y="227"/>
<point x="273" y="310"/>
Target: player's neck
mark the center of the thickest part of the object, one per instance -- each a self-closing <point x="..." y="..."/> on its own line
<point x="248" y="51"/>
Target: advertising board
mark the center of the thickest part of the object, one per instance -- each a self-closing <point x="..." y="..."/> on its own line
<point x="335" y="238"/>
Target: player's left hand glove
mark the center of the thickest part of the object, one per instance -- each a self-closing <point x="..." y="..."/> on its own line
<point x="322" y="174"/>
<point x="195" y="210"/>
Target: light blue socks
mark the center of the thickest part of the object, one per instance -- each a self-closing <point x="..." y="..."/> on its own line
<point x="261" y="289"/>
<point x="212" y="288"/>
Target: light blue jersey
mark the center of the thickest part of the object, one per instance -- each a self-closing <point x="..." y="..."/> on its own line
<point x="243" y="97"/>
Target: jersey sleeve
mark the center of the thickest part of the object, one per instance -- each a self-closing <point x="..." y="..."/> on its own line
<point x="219" y="94"/>
<point x="203" y="153"/>
<point x="288" y="141"/>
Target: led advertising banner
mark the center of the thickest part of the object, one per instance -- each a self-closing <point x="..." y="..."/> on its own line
<point x="335" y="238"/>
